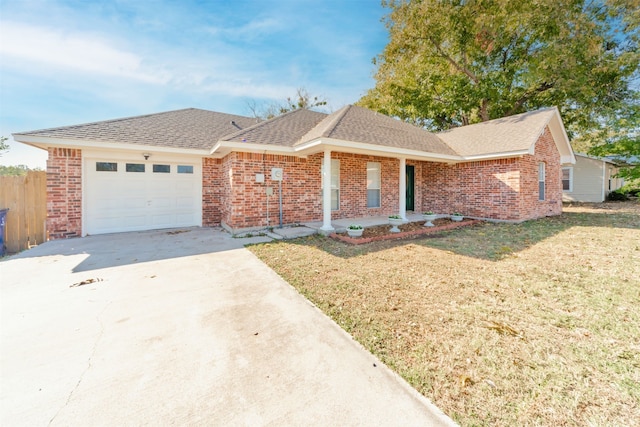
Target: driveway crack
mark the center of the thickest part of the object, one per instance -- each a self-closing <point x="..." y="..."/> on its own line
<point x="84" y="372"/>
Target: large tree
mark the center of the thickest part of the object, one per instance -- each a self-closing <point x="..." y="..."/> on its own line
<point x="451" y="63"/>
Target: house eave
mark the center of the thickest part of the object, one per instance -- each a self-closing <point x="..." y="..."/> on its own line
<point x="44" y="143"/>
<point x="496" y="156"/>
<point x="320" y="144"/>
<point x="223" y="148"/>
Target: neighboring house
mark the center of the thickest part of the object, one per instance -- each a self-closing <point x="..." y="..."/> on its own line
<point x="201" y="168"/>
<point x="590" y="179"/>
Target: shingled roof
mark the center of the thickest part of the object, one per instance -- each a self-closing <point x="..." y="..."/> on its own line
<point x="188" y="128"/>
<point x="304" y="131"/>
<point x="284" y="130"/>
<point x="357" y="124"/>
<point x="509" y="134"/>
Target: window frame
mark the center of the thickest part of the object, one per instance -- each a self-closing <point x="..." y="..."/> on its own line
<point x="131" y="167"/>
<point x="374" y="183"/>
<point x="159" y="168"/>
<point x="570" y="179"/>
<point x="184" y="169"/>
<point x="542" y="181"/>
<point x="114" y="169"/>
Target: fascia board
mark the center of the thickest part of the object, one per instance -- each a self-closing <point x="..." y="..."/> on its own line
<point x="496" y="156"/>
<point x="561" y="138"/>
<point x="46" y="142"/>
<point x="319" y="145"/>
<point x="223" y="148"/>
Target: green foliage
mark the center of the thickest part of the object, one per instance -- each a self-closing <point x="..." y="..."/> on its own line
<point x="451" y="63"/>
<point x="617" y="196"/>
<point x="3" y="144"/>
<point x="621" y="139"/>
<point x="15" y="170"/>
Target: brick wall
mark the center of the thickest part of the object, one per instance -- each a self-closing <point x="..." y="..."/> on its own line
<point x="547" y="152"/>
<point x="353" y="186"/>
<point x="487" y="189"/>
<point x="64" y="193"/>
<point x="211" y="192"/>
<point x="505" y="189"/>
<point x="244" y="202"/>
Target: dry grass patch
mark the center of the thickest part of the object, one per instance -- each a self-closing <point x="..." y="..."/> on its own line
<point x="497" y="324"/>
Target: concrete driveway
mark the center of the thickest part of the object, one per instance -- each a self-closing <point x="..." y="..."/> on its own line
<point x="180" y="328"/>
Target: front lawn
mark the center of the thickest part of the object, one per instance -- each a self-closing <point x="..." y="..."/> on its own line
<point x="497" y="324"/>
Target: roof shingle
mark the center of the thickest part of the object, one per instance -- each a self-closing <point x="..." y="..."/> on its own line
<point x="283" y="130"/>
<point x="508" y="134"/>
<point x="188" y="128"/>
<point x="357" y="124"/>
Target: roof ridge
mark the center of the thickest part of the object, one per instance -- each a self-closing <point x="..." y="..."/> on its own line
<point x="264" y="123"/>
<point x="333" y="123"/>
<point x="326" y="130"/>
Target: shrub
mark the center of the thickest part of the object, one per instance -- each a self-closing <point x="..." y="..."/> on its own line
<point x="617" y="196"/>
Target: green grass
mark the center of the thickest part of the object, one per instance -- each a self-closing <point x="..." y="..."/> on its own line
<point x="498" y="324"/>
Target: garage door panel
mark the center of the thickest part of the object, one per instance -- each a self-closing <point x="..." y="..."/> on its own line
<point x="133" y="203"/>
<point x="163" y="203"/>
<point x="129" y="201"/>
<point x="185" y="203"/>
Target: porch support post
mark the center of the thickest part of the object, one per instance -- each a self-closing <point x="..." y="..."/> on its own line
<point x="326" y="194"/>
<point x="402" y="208"/>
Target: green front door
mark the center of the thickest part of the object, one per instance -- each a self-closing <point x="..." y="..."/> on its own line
<point x="410" y="187"/>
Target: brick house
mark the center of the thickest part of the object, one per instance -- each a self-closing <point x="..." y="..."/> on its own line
<point x="201" y="168"/>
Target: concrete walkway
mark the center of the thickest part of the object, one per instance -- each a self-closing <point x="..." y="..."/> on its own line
<point x="340" y="225"/>
<point x="180" y="328"/>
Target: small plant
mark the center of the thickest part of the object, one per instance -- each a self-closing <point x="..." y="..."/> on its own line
<point x="456" y="214"/>
<point x="617" y="196"/>
<point x="395" y="217"/>
<point x="428" y="213"/>
<point x="355" y="227"/>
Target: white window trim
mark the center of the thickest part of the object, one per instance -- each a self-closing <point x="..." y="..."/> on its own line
<point x="542" y="178"/>
<point x="570" y="169"/>
<point x="378" y="166"/>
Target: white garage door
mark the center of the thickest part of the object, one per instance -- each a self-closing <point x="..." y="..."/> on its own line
<point x="132" y="195"/>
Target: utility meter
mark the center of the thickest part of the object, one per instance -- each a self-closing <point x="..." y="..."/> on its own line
<point x="276" y="174"/>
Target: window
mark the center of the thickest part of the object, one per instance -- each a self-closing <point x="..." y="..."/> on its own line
<point x="541" y="180"/>
<point x="135" y="167"/>
<point x="373" y="184"/>
<point x="185" y="169"/>
<point x="335" y="184"/>
<point x="161" y="168"/>
<point x="106" y="167"/>
<point x="567" y="179"/>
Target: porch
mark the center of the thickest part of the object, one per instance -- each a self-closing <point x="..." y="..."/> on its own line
<point x="338" y="225"/>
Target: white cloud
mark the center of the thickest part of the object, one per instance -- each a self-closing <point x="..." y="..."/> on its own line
<point x="84" y="53"/>
<point x="43" y="51"/>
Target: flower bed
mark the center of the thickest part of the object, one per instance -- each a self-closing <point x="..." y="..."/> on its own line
<point x="411" y="229"/>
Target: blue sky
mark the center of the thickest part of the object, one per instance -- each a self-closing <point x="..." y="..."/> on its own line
<point x="78" y="61"/>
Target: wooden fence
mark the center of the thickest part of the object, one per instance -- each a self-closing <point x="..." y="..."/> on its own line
<point x="26" y="198"/>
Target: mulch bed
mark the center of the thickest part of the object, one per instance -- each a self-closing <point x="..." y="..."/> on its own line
<point x="411" y="229"/>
